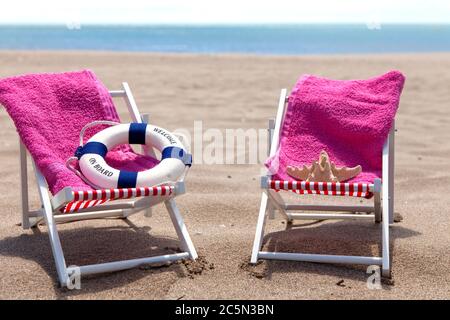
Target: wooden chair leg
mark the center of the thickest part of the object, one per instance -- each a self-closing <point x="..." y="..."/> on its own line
<point x="180" y="228"/>
<point x="260" y="228"/>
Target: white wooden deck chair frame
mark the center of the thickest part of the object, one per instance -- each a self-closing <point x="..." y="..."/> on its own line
<point x="381" y="211"/>
<point x="50" y="214"/>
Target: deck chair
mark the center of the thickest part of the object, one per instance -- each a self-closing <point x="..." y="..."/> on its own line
<point x="69" y="205"/>
<point x="272" y="201"/>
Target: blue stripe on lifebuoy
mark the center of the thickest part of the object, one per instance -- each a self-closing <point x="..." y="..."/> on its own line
<point x="92" y="147"/>
<point x="177" y="153"/>
<point x="136" y="134"/>
<point x="127" y="179"/>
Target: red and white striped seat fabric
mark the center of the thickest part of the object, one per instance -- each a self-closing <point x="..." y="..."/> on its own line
<point x="91" y="198"/>
<point x="360" y="189"/>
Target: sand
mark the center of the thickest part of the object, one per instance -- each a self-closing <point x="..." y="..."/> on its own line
<point x="220" y="208"/>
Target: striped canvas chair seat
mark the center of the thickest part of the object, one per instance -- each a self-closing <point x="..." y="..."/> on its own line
<point x="361" y="189"/>
<point x="86" y="199"/>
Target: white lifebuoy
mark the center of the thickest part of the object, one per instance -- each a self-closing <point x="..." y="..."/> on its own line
<point x="173" y="162"/>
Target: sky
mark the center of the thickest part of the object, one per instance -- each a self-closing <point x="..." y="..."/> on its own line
<point x="223" y="12"/>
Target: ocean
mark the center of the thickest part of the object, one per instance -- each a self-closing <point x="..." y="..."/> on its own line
<point x="249" y="39"/>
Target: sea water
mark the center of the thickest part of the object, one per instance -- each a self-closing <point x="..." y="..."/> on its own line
<point x="251" y="39"/>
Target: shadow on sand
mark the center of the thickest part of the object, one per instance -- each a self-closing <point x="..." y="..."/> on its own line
<point x="339" y="238"/>
<point x="89" y="245"/>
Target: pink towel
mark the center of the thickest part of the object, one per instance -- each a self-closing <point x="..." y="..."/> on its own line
<point x="49" y="111"/>
<point x="350" y="120"/>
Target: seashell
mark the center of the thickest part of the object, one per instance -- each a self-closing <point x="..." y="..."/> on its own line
<point x="323" y="170"/>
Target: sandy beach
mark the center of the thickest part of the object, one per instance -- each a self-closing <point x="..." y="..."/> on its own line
<point x="221" y="204"/>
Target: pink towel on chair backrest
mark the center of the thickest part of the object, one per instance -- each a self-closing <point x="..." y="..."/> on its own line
<point x="349" y="119"/>
<point x="49" y="111"/>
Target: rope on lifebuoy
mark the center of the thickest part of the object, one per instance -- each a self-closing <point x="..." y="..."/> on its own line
<point x="74" y="158"/>
<point x="98" y="174"/>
